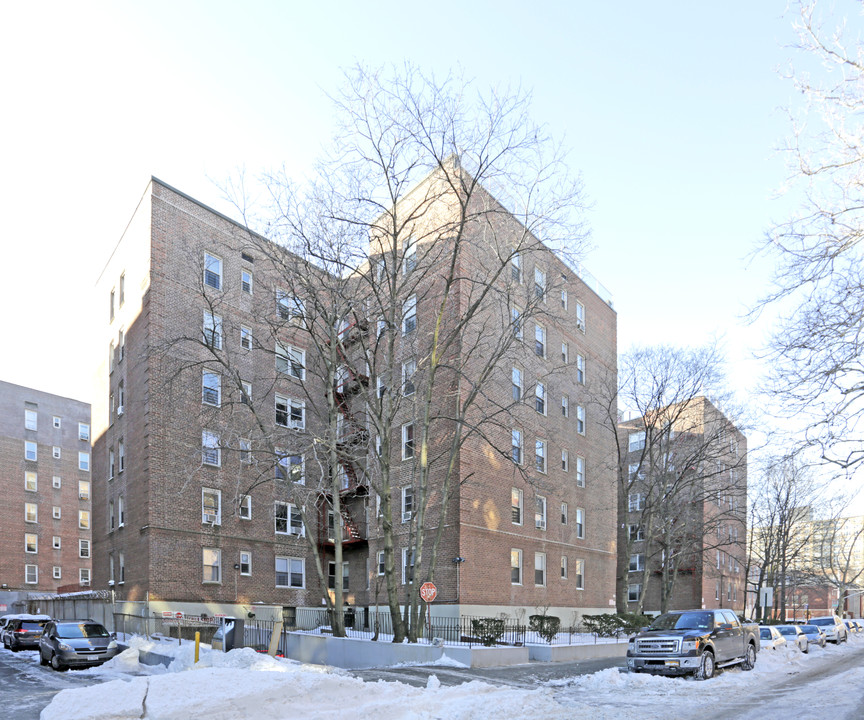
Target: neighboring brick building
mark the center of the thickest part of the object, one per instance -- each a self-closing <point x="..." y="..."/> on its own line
<point x="189" y="507"/>
<point x="688" y="502"/>
<point x="45" y="476"/>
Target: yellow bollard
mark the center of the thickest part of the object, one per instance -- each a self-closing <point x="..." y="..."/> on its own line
<point x="197" y="644"/>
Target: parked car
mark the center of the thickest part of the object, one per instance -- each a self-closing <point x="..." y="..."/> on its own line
<point x="794" y="636"/>
<point x="770" y="637"/>
<point x="852" y="627"/>
<point x="23" y="631"/>
<point x="76" y="643"/>
<point x="860" y="623"/>
<point x="693" y="641"/>
<point x="815" y="634"/>
<point x="835" y="630"/>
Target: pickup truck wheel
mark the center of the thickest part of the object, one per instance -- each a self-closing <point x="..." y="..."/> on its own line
<point x="706" y="666"/>
<point x="749" y="658"/>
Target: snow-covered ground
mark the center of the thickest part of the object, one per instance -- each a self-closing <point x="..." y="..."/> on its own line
<point x="244" y="684"/>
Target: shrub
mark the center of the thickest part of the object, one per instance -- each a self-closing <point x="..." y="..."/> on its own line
<point x="613" y="625"/>
<point x="546" y="626"/>
<point x="489" y="630"/>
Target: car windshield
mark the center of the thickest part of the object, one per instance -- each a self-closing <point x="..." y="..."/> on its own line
<point x="822" y="621"/>
<point x="809" y="629"/>
<point x="765" y="634"/>
<point x="81" y="630"/>
<point x="786" y="630"/>
<point x="31" y="626"/>
<point x="684" y="621"/>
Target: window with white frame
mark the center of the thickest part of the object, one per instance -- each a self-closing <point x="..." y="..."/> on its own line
<point x="121" y="558"/>
<point x="580" y="471"/>
<point x="565" y="461"/>
<point x="634" y="591"/>
<point x="57" y="422"/>
<point x="516" y="505"/>
<point x="57" y="572"/>
<point x="31" y="482"/>
<point x="580" y="419"/>
<point x="409" y="315"/>
<point x="56" y="542"/>
<point x="579" y="574"/>
<point x="84" y="431"/>
<point x="30" y="451"/>
<point x="31" y="512"/>
<point x="635" y="532"/>
<point x="55" y="452"/>
<point x="290" y="413"/>
<point x="635" y="502"/>
<point x="565" y="353"/>
<point x="211" y="506"/>
<point x="245" y="507"/>
<point x="31" y="543"/>
<point x="246" y="392"/>
<point x="580" y="369"/>
<point x="515" y="567"/>
<point x="84" y="519"/>
<point x="408" y="441"/>
<point x="580" y="523"/>
<point x="212" y="331"/>
<point x="121" y="398"/>
<point x="121" y="347"/>
<point x="517" y="383"/>
<point x="211" y="453"/>
<point x="540" y="512"/>
<point x="331" y="576"/>
<point x="111" y="464"/>
<point x="290" y="572"/>
<point x="565" y="406"/>
<point x="540" y="569"/>
<point x="245" y="562"/>
<point x="245" y="338"/>
<point x="246" y="281"/>
<point x="382" y="568"/>
<point x="121" y="512"/>
<point x="122" y="289"/>
<point x="211" y="388"/>
<point x="294" y="518"/>
<point x="111" y="298"/>
<point x="407" y="503"/>
<point x="83" y="548"/>
<point x="516" y="446"/>
<point x="291" y="361"/>
<point x="407" y="566"/>
<point x="31" y="574"/>
<point x="516" y="267"/>
<point x="121" y="455"/>
<point x="245" y="450"/>
<point x="565" y="513"/>
<point x="539" y="284"/>
<point x="564" y="567"/>
<point x="56" y="512"/>
<point x="637" y="563"/>
<point x="580" y="316"/>
<point x="290" y="307"/>
<point x="56" y="481"/>
<point x="212" y="271"/>
<point x="409" y="369"/>
<point x="539" y="341"/>
<point x="540" y="398"/>
<point x="540" y="456"/>
<point x="409" y="255"/>
<point x="31" y="420"/>
<point x="84" y="576"/>
<point x="112" y="358"/>
<point x="563" y="299"/>
<point x="211" y="560"/>
<point x="516" y="322"/>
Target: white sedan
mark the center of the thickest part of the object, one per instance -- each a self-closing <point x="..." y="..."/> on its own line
<point x="770" y="637"/>
<point x="794" y="636"/>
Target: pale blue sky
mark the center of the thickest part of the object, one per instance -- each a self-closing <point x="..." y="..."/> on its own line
<point x="671" y="110"/>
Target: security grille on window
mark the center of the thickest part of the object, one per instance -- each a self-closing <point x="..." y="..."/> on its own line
<point x="516" y="500"/>
<point x="540" y="398"/>
<point x="516" y="567"/>
<point x="540" y="568"/>
<point x="516" y="446"/>
<point x="409" y="315"/>
<point x="540" y="341"/>
<point x="211" y="388"/>
<point x="291" y="361"/>
<point x="211" y="453"/>
<point x="407" y="503"/>
<point x="212" y="331"/>
<point x="540" y="513"/>
<point x="211" y="559"/>
<point x="516" y="380"/>
<point x="540" y="456"/>
<point x="212" y="271"/>
<point x="246" y="281"/>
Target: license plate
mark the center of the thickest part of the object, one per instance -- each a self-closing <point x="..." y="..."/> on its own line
<point x="673" y="663"/>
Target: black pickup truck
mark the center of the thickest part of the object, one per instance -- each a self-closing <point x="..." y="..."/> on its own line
<point x="693" y="641"/>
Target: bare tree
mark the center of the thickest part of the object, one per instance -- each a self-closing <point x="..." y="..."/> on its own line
<point x="837" y="551"/>
<point x="816" y="353"/>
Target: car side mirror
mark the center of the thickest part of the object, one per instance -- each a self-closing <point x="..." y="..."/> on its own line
<point x="114" y="635"/>
<point x="726" y="626"/>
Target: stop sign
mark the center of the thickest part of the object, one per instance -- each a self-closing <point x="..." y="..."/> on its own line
<point x="178" y="615"/>
<point x="428" y="592"/>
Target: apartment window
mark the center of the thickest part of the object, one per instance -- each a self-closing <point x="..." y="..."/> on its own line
<point x="211" y="453"/>
<point x="382" y="568"/>
<point x="564" y="513"/>
<point x="30" y="451"/>
<point x="409" y="315"/>
<point x="516" y="567"/>
<point x="212" y="271"/>
<point x="246" y="392"/>
<point x="111" y="463"/>
<point x="245" y="507"/>
<point x="291" y="361"/>
<point x="56" y="481"/>
<point x="211" y="388"/>
<point x="55" y="452"/>
<point x="83" y="548"/>
<point x="288" y="520"/>
<point x="111" y="516"/>
<point x="565" y="406"/>
<point x="84" y="519"/>
<point x="516" y="380"/>
<point x="635" y="533"/>
<point x="540" y="341"/>
<point x="31" y="543"/>
<point x="409" y="255"/>
<point x="580" y="419"/>
<point x="516" y="323"/>
<point x="565" y="353"/>
<point x="563" y="299"/>
<point x="633" y="592"/>
<point x="296" y="469"/>
<point x="31" y="574"/>
<point x="111" y="298"/>
<point x="84" y="431"/>
<point x="57" y="422"/>
<point x="31" y="512"/>
<point x="245" y="450"/>
<point x="540" y="512"/>
<point x="580" y="369"/>
<point x="56" y="542"/>
<point x="31" y="481"/>
<point x="83" y="489"/>
<point x="57" y="572"/>
<point x="111" y="357"/>
<point x="579" y="574"/>
<point x="246" y="281"/>
<point x="407" y="503"/>
<point x="290" y="413"/>
<point x="121" y="346"/>
<point x="121" y="456"/>
<point x="31" y="420"/>
<point x="122" y="287"/>
<point x="580" y="316"/>
<point x="122" y="562"/>
<point x="516" y="446"/>
<point x="331" y="576"/>
<point x="245" y="338"/>
<point x="211" y="506"/>
<point x="211" y="559"/>
<point x="409" y="369"/>
<point x="563" y="567"/>
<point x="565" y="461"/>
<point x="121" y="397"/>
<point x="540" y="398"/>
<point x="289" y="307"/>
<point x="540" y="569"/>
<point x="717" y="591"/>
<point x="212" y="330"/>
<point x="407" y="566"/>
<point x="580" y="471"/>
<point x="540" y="456"/>
<point x="245" y="562"/>
<point x="516" y="500"/>
<point x="516" y="267"/>
<point x="83" y="576"/>
<point x="290" y="572"/>
<point x="56" y="512"/>
<point x="407" y="441"/>
<point x="637" y="563"/>
<point x="539" y="284"/>
<point x="580" y="523"/>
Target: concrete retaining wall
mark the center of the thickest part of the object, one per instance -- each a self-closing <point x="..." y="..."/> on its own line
<point x="568" y="653"/>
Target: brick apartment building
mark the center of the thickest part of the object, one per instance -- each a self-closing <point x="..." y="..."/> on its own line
<point x="192" y="510"/>
<point x="46" y="480"/>
<point x="686" y="510"/>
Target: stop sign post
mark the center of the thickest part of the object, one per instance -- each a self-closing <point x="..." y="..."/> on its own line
<point x="428" y="593"/>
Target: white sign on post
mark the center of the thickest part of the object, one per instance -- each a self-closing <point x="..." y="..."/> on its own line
<point x="766" y="597"/>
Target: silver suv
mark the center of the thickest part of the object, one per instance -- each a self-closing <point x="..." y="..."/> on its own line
<point x="835" y="630"/>
<point x="76" y="643"/>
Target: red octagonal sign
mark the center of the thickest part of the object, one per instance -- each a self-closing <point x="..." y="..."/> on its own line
<point x="428" y="592"/>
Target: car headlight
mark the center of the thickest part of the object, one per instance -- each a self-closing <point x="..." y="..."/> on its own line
<point x="66" y="648"/>
<point x="112" y="645"/>
<point x="689" y="645"/>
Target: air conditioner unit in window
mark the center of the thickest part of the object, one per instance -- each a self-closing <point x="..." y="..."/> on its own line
<point x="119" y="410"/>
<point x="85" y="583"/>
<point x="209" y="519"/>
<point x="110" y="582"/>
